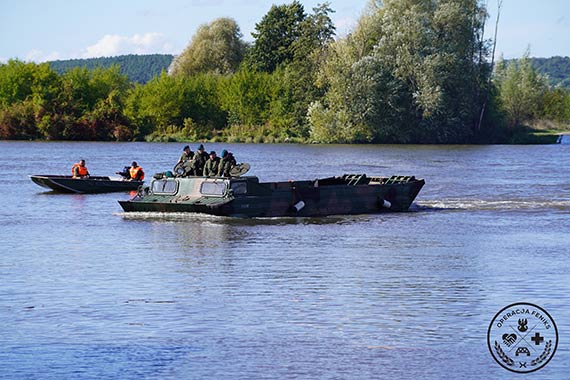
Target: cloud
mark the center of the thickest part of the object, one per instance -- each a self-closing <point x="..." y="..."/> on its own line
<point x="113" y="44"/>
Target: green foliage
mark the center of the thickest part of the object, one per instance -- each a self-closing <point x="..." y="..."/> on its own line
<point x="35" y="102"/>
<point x="556" y="68"/>
<point x="275" y="37"/>
<point x="166" y="102"/>
<point x="138" y="68"/>
<point x="556" y="105"/>
<point x="246" y="97"/>
<point x="290" y="44"/>
<point x="521" y="90"/>
<point x="365" y="103"/>
<point x="412" y="71"/>
<point x="18" y="122"/>
<point x="215" y="48"/>
<point x="160" y="102"/>
<point x="16" y="81"/>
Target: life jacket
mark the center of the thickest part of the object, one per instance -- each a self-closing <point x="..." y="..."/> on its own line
<point x="134" y="172"/>
<point x="81" y="170"/>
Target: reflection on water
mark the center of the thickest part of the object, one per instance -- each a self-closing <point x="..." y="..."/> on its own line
<point x="88" y="291"/>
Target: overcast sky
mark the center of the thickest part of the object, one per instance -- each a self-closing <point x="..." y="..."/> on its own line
<point x="34" y="30"/>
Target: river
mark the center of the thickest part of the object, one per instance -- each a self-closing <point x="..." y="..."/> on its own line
<point x="89" y="292"/>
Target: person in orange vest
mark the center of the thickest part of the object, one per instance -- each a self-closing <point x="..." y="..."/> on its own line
<point x="79" y="170"/>
<point x="136" y="172"/>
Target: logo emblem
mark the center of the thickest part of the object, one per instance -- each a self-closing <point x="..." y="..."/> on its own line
<point x="522" y="337"/>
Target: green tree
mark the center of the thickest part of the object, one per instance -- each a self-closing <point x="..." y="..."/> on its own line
<point x="556" y="105"/>
<point x="275" y="36"/>
<point x="521" y="90"/>
<point x="27" y="92"/>
<point x="297" y="80"/>
<point x="421" y="60"/>
<point x="166" y="105"/>
<point x="246" y="97"/>
<point x="138" y="68"/>
<point x="160" y="102"/>
<point x="16" y="81"/>
<point x="215" y="48"/>
<point x="18" y="122"/>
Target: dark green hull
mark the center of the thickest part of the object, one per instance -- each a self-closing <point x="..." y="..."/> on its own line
<point x="91" y="185"/>
<point x="247" y="197"/>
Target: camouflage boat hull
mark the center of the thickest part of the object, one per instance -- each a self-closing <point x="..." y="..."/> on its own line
<point x="247" y="197"/>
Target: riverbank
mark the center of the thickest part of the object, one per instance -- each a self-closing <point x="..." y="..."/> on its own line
<point x="525" y="135"/>
<point x="540" y="132"/>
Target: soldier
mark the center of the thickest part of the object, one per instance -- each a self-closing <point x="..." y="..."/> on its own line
<point x="200" y="159"/>
<point x="187" y="155"/>
<point x="226" y="164"/>
<point x="184" y="167"/>
<point x="212" y="165"/>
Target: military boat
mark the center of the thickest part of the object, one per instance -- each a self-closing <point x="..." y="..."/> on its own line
<point x="90" y="185"/>
<point x="247" y="197"/>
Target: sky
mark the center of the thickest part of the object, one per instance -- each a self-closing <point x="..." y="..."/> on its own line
<point x="40" y="30"/>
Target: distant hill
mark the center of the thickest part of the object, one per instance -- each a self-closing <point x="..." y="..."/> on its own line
<point x="138" y="68"/>
<point x="557" y="69"/>
<point x="142" y="68"/>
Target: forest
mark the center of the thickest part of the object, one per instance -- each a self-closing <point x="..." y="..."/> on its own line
<point x="138" y="68"/>
<point x="141" y="68"/>
<point x="411" y="71"/>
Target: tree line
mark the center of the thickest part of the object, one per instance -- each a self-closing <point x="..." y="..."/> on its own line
<point x="141" y="68"/>
<point x="138" y="68"/>
<point x="411" y="71"/>
<point x="556" y="68"/>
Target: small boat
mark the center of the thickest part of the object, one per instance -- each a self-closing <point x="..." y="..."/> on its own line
<point x="247" y="197"/>
<point x="90" y="185"/>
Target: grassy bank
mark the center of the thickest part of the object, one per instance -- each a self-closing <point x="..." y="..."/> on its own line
<point x="539" y="132"/>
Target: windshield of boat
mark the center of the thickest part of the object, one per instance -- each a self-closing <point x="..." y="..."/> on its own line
<point x="213" y="188"/>
<point x="164" y="186"/>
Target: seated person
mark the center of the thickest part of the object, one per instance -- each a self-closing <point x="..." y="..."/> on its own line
<point x="187" y="155"/>
<point x="212" y="165"/>
<point x="79" y="170"/>
<point x="136" y="172"/>
<point x="125" y="173"/>
<point x="226" y="164"/>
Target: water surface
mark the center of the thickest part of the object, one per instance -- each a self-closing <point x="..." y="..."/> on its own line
<point x="89" y="292"/>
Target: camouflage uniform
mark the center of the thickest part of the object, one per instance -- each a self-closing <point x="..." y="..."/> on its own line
<point x="199" y="161"/>
<point x="226" y="164"/>
<point x="186" y="156"/>
<point x="212" y="167"/>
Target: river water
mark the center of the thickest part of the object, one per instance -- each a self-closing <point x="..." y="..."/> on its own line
<point x="89" y="292"/>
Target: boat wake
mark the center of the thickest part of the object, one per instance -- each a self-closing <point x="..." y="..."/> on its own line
<point x="169" y="216"/>
<point x="504" y="205"/>
<point x="213" y="219"/>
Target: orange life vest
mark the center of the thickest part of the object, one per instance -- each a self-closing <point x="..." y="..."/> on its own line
<point x="81" y="170"/>
<point x="134" y="172"/>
